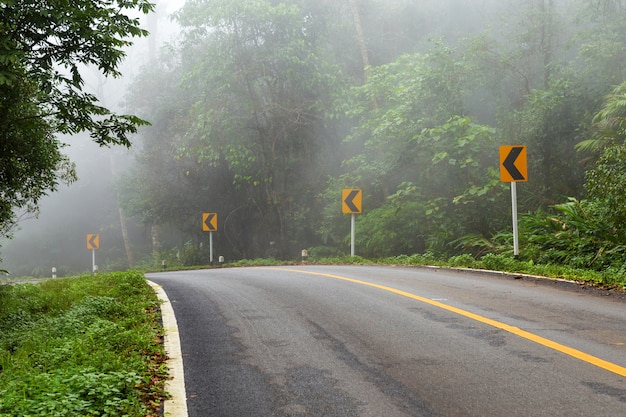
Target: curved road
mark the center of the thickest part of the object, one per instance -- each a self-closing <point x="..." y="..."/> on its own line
<point x="384" y="341"/>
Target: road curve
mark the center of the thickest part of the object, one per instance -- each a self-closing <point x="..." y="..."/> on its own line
<point x="384" y="341"/>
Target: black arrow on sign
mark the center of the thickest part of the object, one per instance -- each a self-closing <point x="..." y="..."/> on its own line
<point x="93" y="241"/>
<point x="350" y="203"/>
<point x="209" y="222"/>
<point x="509" y="163"/>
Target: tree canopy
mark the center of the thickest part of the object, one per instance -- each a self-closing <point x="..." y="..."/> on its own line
<point x="264" y="110"/>
<point x="44" y="47"/>
<point x="279" y="113"/>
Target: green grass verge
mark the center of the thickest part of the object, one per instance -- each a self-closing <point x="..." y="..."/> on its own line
<point x="82" y="346"/>
<point x="610" y="278"/>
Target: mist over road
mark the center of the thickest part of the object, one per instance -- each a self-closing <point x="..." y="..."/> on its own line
<point x="384" y="341"/>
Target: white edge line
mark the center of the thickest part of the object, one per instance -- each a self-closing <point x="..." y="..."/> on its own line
<point x="176" y="405"/>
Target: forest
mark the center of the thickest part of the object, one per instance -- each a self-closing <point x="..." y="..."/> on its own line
<point x="262" y="111"/>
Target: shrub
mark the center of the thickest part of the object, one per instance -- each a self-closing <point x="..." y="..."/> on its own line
<point x="462" y="261"/>
<point x="499" y="262"/>
<point x="79" y="346"/>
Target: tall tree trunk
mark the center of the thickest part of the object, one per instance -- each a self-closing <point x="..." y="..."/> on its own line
<point x="360" y="38"/>
<point x="122" y="216"/>
<point x="547" y="33"/>
<point x="153" y="28"/>
<point x="155" y="234"/>
<point x="121" y="213"/>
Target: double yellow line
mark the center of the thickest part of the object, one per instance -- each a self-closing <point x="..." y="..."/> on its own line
<point x="600" y="363"/>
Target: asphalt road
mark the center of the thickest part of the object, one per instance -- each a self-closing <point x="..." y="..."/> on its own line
<point x="384" y="341"/>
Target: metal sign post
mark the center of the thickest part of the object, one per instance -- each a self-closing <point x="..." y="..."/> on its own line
<point x="352" y="233"/>
<point x="514" y="215"/>
<point x="211" y="248"/>
<point x="209" y="224"/>
<point x="352" y="203"/>
<point x="93" y="243"/>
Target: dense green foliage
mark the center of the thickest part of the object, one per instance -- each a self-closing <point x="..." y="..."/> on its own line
<point x="84" y="346"/>
<point x="31" y="161"/>
<point x="263" y="111"/>
<point x="575" y="234"/>
<point x="44" y="48"/>
<point x="267" y="113"/>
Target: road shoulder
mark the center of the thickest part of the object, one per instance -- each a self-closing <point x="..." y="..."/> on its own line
<point x="176" y="405"/>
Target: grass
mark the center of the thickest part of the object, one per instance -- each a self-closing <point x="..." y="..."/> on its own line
<point x="82" y="346"/>
<point x="610" y="278"/>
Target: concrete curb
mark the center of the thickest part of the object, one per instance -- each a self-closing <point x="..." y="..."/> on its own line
<point x="176" y="406"/>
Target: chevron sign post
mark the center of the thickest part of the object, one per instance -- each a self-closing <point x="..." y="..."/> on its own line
<point x="209" y="224"/>
<point x="352" y="203"/>
<point x="514" y="169"/>
<point x="93" y="243"/>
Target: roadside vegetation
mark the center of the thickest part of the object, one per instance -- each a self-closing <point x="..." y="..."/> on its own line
<point x="81" y="346"/>
<point x="577" y="240"/>
<point x="92" y="345"/>
<point x="612" y="278"/>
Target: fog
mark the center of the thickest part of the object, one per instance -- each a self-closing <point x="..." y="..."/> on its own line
<point x="55" y="236"/>
<point x="510" y="65"/>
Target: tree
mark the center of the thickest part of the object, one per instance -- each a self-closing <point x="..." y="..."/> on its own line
<point x="602" y="38"/>
<point x="43" y="46"/>
<point x="605" y="184"/>
<point x="262" y="87"/>
<point x="31" y="161"/>
<point x="543" y="99"/>
<point x="154" y="190"/>
<point x="609" y="124"/>
<point x="424" y="163"/>
<point x="550" y="125"/>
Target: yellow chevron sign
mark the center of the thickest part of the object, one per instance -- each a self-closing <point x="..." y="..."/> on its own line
<point x="352" y="201"/>
<point x="513" y="164"/>
<point x="93" y="242"/>
<point x="209" y="222"/>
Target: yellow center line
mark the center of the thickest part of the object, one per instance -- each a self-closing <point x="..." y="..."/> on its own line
<point x="585" y="357"/>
